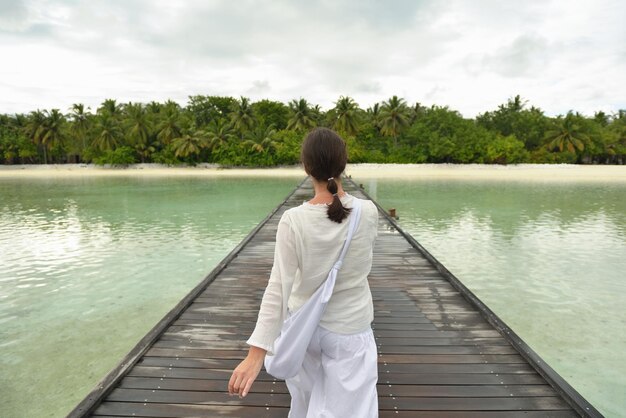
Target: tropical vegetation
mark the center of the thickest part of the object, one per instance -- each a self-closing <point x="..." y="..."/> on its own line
<point x="238" y="132"/>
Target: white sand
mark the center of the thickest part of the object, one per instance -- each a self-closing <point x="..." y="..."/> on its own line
<point x="520" y="172"/>
<point x="76" y="170"/>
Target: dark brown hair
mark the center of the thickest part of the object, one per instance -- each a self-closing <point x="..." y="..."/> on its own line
<point x="324" y="155"/>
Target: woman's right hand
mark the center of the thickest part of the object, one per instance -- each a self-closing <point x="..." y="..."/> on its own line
<point x="246" y="372"/>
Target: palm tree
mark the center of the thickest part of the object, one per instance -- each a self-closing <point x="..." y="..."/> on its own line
<point x="316" y="114"/>
<point x="139" y="127"/>
<point x="242" y="116"/>
<point x="189" y="143"/>
<point x="34" y="128"/>
<point x="80" y="123"/>
<point x="169" y="128"/>
<point x="346" y="119"/>
<point x="139" y="130"/>
<point x="108" y="132"/>
<point x="601" y="118"/>
<point x="261" y="139"/>
<point x="416" y="111"/>
<point x="374" y="115"/>
<point x="219" y="134"/>
<point x="110" y="107"/>
<point x="171" y="104"/>
<point x="20" y="120"/>
<point x="53" y="129"/>
<point x="153" y="107"/>
<point x="566" y="133"/>
<point x="301" y="117"/>
<point x="145" y="150"/>
<point x="394" y="117"/>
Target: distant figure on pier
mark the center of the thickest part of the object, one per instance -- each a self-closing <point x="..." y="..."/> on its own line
<point x="339" y="374"/>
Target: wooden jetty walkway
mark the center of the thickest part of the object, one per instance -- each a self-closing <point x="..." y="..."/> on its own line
<point x="442" y="352"/>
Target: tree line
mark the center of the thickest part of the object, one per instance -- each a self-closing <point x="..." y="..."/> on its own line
<point x="238" y="132"/>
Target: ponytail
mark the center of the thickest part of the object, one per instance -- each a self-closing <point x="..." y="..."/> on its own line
<point x="336" y="211"/>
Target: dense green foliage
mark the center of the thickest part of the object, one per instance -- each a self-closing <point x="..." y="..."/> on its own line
<point x="232" y="131"/>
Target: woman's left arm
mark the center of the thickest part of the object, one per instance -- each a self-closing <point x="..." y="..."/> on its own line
<point x="271" y="313"/>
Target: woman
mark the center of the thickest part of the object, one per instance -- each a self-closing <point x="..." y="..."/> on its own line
<point x="339" y="374"/>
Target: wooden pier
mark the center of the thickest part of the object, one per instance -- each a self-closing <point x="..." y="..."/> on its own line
<point x="442" y="352"/>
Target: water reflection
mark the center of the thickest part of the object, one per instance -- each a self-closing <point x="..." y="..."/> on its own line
<point x="505" y="206"/>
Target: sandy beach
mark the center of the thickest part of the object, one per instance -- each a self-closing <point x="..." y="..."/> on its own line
<point x="523" y="172"/>
<point x="517" y="172"/>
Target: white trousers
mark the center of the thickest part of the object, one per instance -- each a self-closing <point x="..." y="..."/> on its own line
<point x="338" y="377"/>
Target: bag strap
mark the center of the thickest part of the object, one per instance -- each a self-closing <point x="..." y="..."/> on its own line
<point x="354" y="220"/>
<point x="328" y="285"/>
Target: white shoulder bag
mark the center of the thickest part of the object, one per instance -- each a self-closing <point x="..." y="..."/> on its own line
<point x="297" y="331"/>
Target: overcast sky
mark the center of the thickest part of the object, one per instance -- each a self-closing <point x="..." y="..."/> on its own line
<point x="470" y="55"/>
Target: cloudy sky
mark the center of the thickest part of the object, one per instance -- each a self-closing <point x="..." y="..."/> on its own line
<point x="468" y="54"/>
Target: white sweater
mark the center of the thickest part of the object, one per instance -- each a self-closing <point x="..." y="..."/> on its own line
<point x="307" y="246"/>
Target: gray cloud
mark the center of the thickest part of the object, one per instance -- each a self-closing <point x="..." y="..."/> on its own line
<point x="13" y="15"/>
<point x="527" y="54"/>
<point x="368" y="87"/>
<point x="373" y="14"/>
<point x="259" y="87"/>
<point x="425" y="49"/>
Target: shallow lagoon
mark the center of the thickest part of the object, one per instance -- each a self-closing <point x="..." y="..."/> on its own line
<point x="90" y="264"/>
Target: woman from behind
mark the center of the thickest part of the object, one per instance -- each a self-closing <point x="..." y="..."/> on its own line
<point x="339" y="374"/>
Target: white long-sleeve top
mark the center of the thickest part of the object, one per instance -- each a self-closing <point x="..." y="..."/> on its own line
<point x="307" y="246"/>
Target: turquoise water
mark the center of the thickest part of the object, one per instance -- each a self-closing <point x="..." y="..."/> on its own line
<point x="89" y="265"/>
<point x="547" y="258"/>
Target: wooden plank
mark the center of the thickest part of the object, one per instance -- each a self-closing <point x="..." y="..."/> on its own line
<point x="474" y="404"/>
<point x="197" y="397"/>
<point x="382" y="349"/>
<point x="128" y="409"/>
<point x="201" y="385"/>
<point x="465" y="403"/>
<point x="407" y="378"/>
<point x="476" y="414"/>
